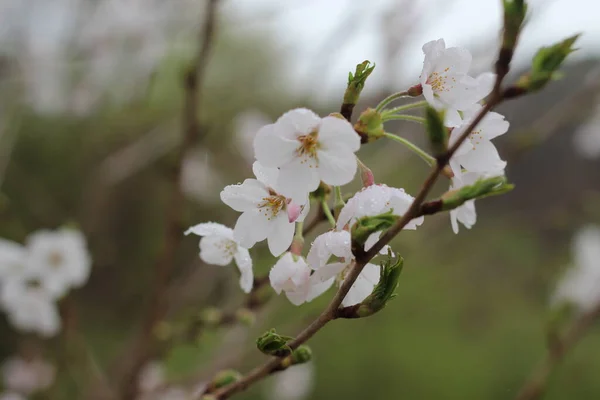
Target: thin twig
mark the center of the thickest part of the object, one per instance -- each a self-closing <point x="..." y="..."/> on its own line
<point x="535" y="386"/>
<point x="193" y="83"/>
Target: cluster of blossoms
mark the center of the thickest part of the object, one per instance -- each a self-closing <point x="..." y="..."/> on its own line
<point x="302" y="152"/>
<point x="34" y="276"/>
<point x="448" y="87"/>
<point x="580" y="286"/>
<point x="22" y="378"/>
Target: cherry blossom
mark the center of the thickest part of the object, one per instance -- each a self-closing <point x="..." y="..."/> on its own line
<point x="338" y="245"/>
<point x="477" y="153"/>
<point x="266" y="213"/>
<point x="446" y="83"/>
<point x="218" y="247"/>
<point x="579" y="286"/>
<point x="374" y="200"/>
<point x="292" y="275"/>
<point x="27" y="376"/>
<point x="59" y="259"/>
<point x="308" y="149"/>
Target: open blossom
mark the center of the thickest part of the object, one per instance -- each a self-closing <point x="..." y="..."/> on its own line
<point x="59" y="259"/>
<point x="580" y="285"/>
<point x="374" y="200"/>
<point x="308" y="149"/>
<point x="218" y="247"/>
<point x="292" y="275"/>
<point x="266" y="213"/>
<point x="30" y="308"/>
<point x="27" y="376"/>
<point x="477" y="153"/>
<point x="338" y="245"/>
<point x="446" y="83"/>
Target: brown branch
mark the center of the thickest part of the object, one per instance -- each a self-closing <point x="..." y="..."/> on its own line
<point x="193" y="82"/>
<point x="535" y="386"/>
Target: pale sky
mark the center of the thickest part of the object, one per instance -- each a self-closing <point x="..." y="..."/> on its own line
<point x="304" y="26"/>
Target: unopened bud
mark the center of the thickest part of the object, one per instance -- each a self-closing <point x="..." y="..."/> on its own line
<point x="224" y="378"/>
<point x="436" y="131"/>
<point x="370" y="125"/>
<point x="366" y="175"/>
<point x="415" y="91"/>
<point x="273" y="344"/>
<point x="245" y="316"/>
<point x="480" y="189"/>
<point x="301" y="355"/>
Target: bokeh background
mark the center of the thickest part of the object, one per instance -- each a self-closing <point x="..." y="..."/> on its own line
<point x="90" y="117"/>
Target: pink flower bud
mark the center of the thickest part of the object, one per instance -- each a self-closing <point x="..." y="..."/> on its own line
<point x="293" y="211"/>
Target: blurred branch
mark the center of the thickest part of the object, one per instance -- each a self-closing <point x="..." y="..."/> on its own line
<point x="193" y="83"/>
<point x="535" y="387"/>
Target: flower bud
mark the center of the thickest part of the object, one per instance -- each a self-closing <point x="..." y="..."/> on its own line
<point x="301" y="355"/>
<point x="273" y="344"/>
<point x="480" y="189"/>
<point x="544" y="67"/>
<point x="436" y="131"/>
<point x="415" y="91"/>
<point x="365" y="226"/>
<point x="366" y="175"/>
<point x="514" y="16"/>
<point x="370" y="125"/>
<point x="224" y="378"/>
<point x="356" y="83"/>
<point x="383" y="292"/>
<point x="245" y="316"/>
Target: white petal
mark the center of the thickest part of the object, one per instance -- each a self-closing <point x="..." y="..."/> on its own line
<point x="244" y="263"/>
<point x="296" y="180"/>
<point x="454" y="220"/>
<point x="336" y="167"/>
<point x="374" y="238"/>
<point x="266" y="175"/>
<point x="283" y="270"/>
<point x="454" y="60"/>
<point x="359" y="291"/>
<point x="452" y="118"/>
<point x="493" y="125"/>
<point x="211" y="228"/>
<point x="281" y="235"/>
<point x="317" y="288"/>
<point x="271" y="148"/>
<point x="297" y="122"/>
<point x="213" y="250"/>
<point x="339" y="244"/>
<point x="251" y="227"/>
<point x="484" y="158"/>
<point x="246" y="196"/>
<point x="337" y="133"/>
<point x="327" y="272"/>
<point x="347" y="213"/>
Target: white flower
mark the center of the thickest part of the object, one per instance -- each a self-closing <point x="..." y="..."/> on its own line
<point x="580" y="285"/>
<point x="266" y="213"/>
<point x="338" y="245"/>
<point x="446" y="85"/>
<point x="294" y="383"/>
<point x="151" y="377"/>
<point x="292" y="275"/>
<point x="218" y="247"/>
<point x="308" y="149"/>
<point x="30" y="308"/>
<point x="27" y="376"/>
<point x="374" y="200"/>
<point x="477" y="153"/>
<point x="58" y="258"/>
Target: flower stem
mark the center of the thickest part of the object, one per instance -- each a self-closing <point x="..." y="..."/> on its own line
<point x="327" y="212"/>
<point x="298" y="242"/>
<point x="389" y="99"/>
<point x="405" y="107"/>
<point x="403" y="117"/>
<point x="339" y="200"/>
<point x="411" y="146"/>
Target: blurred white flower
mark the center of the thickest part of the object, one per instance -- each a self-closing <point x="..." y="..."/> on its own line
<point x="477" y="153"/>
<point x="374" y="200"/>
<point x="151" y="377"/>
<point x="292" y="275"/>
<point x="27" y="376"/>
<point x="295" y="383"/>
<point x="587" y="138"/>
<point x="30" y="308"/>
<point x="247" y="124"/>
<point x="308" y="149"/>
<point x="446" y="83"/>
<point x="580" y="285"/>
<point x="200" y="179"/>
<point x="59" y="258"/>
<point x="266" y="213"/>
<point x="338" y="245"/>
<point x="218" y="247"/>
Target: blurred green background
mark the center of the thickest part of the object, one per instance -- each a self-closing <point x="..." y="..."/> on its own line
<point x="469" y="319"/>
